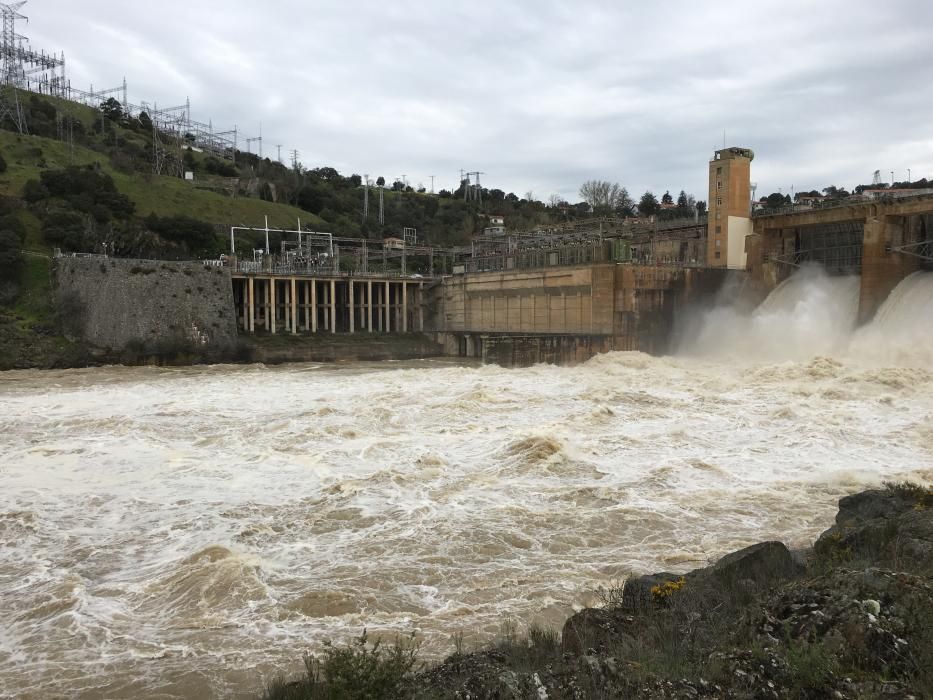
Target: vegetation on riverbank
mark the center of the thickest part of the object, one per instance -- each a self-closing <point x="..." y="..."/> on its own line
<point x="850" y="618"/>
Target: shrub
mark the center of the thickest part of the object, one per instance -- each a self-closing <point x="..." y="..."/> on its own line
<point x="2" y="164"/>
<point x="196" y="235"/>
<point x="34" y="191"/>
<point x="363" y="670"/>
<point x="10" y="257"/>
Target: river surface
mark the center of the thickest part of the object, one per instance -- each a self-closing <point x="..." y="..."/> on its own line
<point x="187" y="532"/>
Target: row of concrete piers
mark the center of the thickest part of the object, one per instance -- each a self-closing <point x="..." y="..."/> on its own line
<point x="328" y="305"/>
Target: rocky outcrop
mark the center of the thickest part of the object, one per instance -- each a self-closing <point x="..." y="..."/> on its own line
<point x="851" y="619"/>
<point x="890" y="527"/>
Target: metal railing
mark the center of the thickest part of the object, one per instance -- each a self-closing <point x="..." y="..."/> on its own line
<point x="249" y="267"/>
<point x="853" y="201"/>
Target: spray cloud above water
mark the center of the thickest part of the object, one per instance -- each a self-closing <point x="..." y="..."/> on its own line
<point x="813" y="314"/>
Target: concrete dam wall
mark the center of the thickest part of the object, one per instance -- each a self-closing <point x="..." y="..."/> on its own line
<point x="566" y="314"/>
<point x="112" y="302"/>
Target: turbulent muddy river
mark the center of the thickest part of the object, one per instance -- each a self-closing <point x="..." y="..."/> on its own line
<point x="186" y="532"/>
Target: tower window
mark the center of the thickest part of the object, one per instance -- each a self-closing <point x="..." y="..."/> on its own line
<point x="719" y="184"/>
<point x="718" y="201"/>
<point x="719" y="229"/>
<point x="719" y="170"/>
<point x="718" y="254"/>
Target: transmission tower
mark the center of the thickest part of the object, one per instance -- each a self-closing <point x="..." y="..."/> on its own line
<point x="10" y="108"/>
<point x="167" y="152"/>
<point x="295" y="162"/>
<point x="473" y="190"/>
<point x="23" y="68"/>
<point x="12" y="73"/>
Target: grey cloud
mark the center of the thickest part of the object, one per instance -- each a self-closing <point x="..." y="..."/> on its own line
<point x="539" y="95"/>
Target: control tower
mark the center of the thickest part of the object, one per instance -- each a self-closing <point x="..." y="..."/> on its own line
<point x="729" y="207"/>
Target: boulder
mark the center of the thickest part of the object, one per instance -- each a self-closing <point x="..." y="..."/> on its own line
<point x="765" y="563"/>
<point x="890" y="527"/>
<point x="595" y="629"/>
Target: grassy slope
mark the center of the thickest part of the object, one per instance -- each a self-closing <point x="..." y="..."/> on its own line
<point x="160" y="195"/>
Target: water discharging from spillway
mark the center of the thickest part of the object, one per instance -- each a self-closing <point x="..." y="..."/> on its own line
<point x="902" y="331"/>
<point x="810" y="313"/>
<point x="187" y="532"/>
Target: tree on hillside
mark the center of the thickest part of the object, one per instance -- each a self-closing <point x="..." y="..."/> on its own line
<point x="648" y="204"/>
<point x="605" y="197"/>
<point x="701" y="207"/>
<point x="380" y="181"/>
<point x="624" y="204"/>
<point x="10" y="256"/>
<point x="666" y="198"/>
<point x="775" y="200"/>
<point x="682" y="201"/>
<point x="112" y="109"/>
<point x="834" y="192"/>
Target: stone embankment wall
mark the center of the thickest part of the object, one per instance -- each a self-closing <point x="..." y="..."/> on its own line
<point x="112" y="303"/>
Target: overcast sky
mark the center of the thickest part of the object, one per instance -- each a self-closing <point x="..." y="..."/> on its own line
<point x="539" y="95"/>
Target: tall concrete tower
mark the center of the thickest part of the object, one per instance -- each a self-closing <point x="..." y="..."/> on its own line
<point x="729" y="207"/>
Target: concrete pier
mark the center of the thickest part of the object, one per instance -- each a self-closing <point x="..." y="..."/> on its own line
<point x="328" y="304"/>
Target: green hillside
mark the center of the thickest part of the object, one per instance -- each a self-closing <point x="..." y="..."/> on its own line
<point x="28" y="156"/>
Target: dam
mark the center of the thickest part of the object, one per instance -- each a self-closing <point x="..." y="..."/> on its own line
<point x="556" y="295"/>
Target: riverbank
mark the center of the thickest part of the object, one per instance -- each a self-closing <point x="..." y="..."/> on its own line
<point x="851" y="617"/>
<point x="30" y="346"/>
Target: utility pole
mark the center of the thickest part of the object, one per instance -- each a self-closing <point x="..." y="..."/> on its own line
<point x="432" y="182"/>
<point x="366" y="197"/>
<point x="295" y="155"/>
<point x="908" y="176"/>
<point x="279" y="148"/>
<point x="382" y="206"/>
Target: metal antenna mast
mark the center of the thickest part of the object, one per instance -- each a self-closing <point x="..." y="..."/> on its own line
<point x="432" y="183"/>
<point x="279" y="148"/>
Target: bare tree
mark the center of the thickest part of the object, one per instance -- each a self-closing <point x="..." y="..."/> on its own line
<point x="554" y="201"/>
<point x="604" y="197"/>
